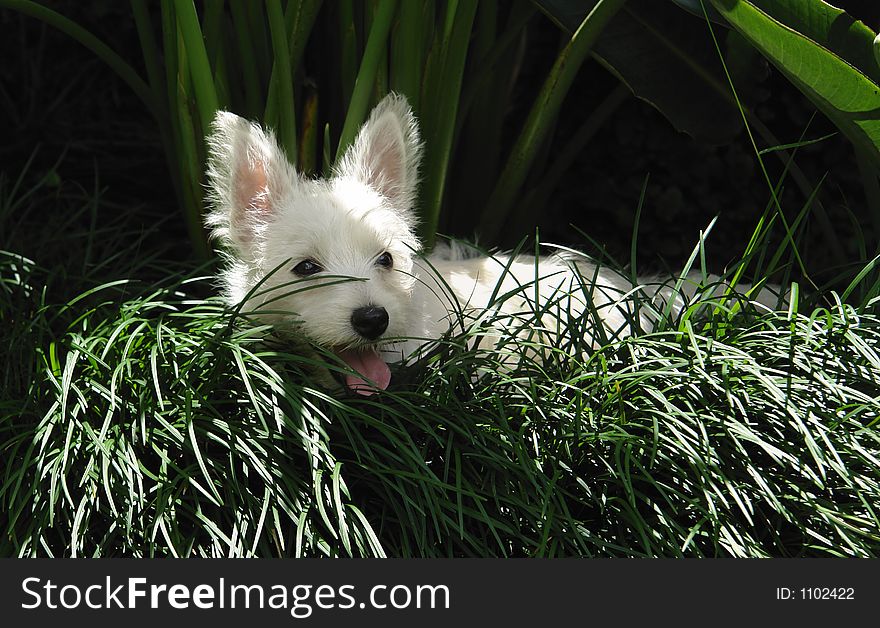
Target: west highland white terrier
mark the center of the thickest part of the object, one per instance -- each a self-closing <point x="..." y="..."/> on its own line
<point x="336" y="261"/>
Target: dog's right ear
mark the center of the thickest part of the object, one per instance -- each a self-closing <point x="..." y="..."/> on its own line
<point x="248" y="178"/>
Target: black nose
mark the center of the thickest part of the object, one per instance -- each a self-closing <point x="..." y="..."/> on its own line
<point x="370" y="321"/>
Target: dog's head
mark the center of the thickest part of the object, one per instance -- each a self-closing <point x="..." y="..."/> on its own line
<point x="330" y="260"/>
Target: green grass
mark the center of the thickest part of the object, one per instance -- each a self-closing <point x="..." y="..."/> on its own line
<point x="145" y="419"/>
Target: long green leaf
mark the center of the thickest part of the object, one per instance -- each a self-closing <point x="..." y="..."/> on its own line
<point x="148" y="44"/>
<point x="849" y="97"/>
<point x="407" y="60"/>
<point x="440" y="102"/>
<point x="363" y="85"/>
<point x="283" y="83"/>
<point x="247" y="61"/>
<point x="197" y="60"/>
<point x="299" y="19"/>
<point x="543" y="113"/>
<point x="185" y="159"/>
<point x="306" y="11"/>
<point x="833" y="28"/>
<point x="213" y="31"/>
<point x="667" y="58"/>
<point x="346" y="48"/>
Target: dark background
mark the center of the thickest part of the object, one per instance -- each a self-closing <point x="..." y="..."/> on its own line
<point x="83" y="131"/>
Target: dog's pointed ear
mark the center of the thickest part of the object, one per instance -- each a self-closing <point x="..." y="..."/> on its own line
<point x="387" y="153"/>
<point x="248" y="178"/>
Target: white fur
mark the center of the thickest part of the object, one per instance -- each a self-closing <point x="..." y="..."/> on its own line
<point x="270" y="219"/>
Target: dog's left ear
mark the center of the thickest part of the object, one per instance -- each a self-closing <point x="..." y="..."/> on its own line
<point x="387" y="153"/>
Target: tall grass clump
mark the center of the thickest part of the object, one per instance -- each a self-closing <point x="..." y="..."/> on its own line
<point x="162" y="424"/>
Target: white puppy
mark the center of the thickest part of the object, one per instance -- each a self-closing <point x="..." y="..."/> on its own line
<point x="335" y="262"/>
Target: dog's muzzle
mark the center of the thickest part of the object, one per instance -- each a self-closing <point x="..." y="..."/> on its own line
<point x="370" y="321"/>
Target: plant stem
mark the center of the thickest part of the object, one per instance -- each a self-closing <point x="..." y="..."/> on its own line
<point x="542" y="115"/>
<point x="283" y="93"/>
<point x="440" y="105"/>
<point x="247" y="60"/>
<point x="197" y="60"/>
<point x="363" y="84"/>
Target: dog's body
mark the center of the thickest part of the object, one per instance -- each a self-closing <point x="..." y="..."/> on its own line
<point x="540" y="291"/>
<point x="336" y="261"/>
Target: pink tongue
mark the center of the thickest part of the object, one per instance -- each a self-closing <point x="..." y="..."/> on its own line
<point x="372" y="369"/>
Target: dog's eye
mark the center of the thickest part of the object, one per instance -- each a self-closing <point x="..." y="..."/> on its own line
<point x="385" y="260"/>
<point x="307" y="267"/>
